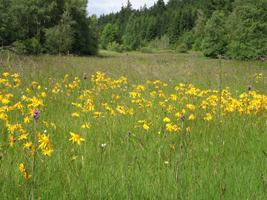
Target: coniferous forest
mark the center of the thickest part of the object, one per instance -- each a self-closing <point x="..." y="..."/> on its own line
<point x="234" y="28"/>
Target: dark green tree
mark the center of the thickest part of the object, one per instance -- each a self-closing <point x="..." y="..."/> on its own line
<point x="59" y="39"/>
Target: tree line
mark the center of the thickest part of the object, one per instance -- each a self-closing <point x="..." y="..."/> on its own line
<point x="47" y="26"/>
<point x="234" y="28"/>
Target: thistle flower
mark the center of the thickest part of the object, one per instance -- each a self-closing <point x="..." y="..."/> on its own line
<point x="249" y="87"/>
<point x="36" y="116"/>
<point x="182" y="118"/>
<point x="262" y="59"/>
<point x="84" y="76"/>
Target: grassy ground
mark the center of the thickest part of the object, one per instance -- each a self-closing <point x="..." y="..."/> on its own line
<point x="136" y="126"/>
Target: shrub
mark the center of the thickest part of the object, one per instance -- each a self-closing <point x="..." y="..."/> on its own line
<point x="114" y="46"/>
<point x="29" y="46"/>
<point x="146" y="50"/>
<point x="181" y="48"/>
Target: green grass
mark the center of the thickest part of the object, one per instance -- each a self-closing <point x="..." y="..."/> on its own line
<point x="221" y="158"/>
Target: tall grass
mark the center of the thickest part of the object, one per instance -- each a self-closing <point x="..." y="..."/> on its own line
<point x="129" y="111"/>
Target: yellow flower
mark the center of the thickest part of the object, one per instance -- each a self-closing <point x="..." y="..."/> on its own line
<point x="172" y="146"/>
<point x="27" y="120"/>
<point x="46" y="123"/>
<point x="22" y="167"/>
<point x="6" y="74"/>
<point x="16" y="75"/>
<point x="11" y="140"/>
<point x="97" y="114"/>
<point x="166" y="162"/>
<point x="43" y="94"/>
<point x="76" y="138"/>
<point x="191" y="107"/>
<point x="178" y="115"/>
<point x="146" y="127"/>
<point x="191" y="117"/>
<point x="27" y="176"/>
<point x="75" y="114"/>
<point x="166" y="119"/>
<point x="54" y="125"/>
<point x="209" y="117"/>
<point x="47" y="151"/>
<point x="23" y="136"/>
<point x="86" y="125"/>
<point x="188" y="129"/>
<point x="27" y="145"/>
<point x="44" y="140"/>
<point x="5" y="101"/>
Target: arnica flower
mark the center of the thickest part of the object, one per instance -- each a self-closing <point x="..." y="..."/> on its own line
<point x="249" y="87"/>
<point x="27" y="176"/>
<point x="84" y="76"/>
<point x="22" y="167"/>
<point x="76" y="138"/>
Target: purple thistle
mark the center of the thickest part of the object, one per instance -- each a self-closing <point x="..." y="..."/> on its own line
<point x="84" y="76"/>
<point x="182" y="118"/>
<point x="36" y="111"/>
<point x="262" y="59"/>
<point x="249" y="87"/>
<point x="36" y="116"/>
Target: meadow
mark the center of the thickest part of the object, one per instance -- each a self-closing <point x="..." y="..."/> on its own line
<point x="132" y="126"/>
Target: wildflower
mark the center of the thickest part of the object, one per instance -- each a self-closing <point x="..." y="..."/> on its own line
<point x="262" y="59"/>
<point x="27" y="176"/>
<point x="172" y="146"/>
<point x="73" y="158"/>
<point x="188" y="129"/>
<point x="84" y="76"/>
<point x="22" y="167"/>
<point x="12" y="140"/>
<point x="86" y="125"/>
<point x="75" y="114"/>
<point x="6" y="74"/>
<point x="43" y="94"/>
<point x="46" y="123"/>
<point x="76" y="138"/>
<point x="47" y="151"/>
<point x="27" y="145"/>
<point x="249" y="87"/>
<point x="44" y="140"/>
<point x="191" y="117"/>
<point x="54" y="125"/>
<point x="103" y="145"/>
<point x="182" y="118"/>
<point x="27" y="120"/>
<point x="35" y="116"/>
<point x="23" y="136"/>
<point x="166" y="162"/>
<point x="166" y="119"/>
<point x="145" y="126"/>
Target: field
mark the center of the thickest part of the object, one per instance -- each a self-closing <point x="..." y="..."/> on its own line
<point x="132" y="126"/>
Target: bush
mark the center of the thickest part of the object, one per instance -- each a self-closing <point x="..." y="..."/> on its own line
<point x="146" y="50"/>
<point x="29" y="46"/>
<point x="114" y="46"/>
<point x="181" y="48"/>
